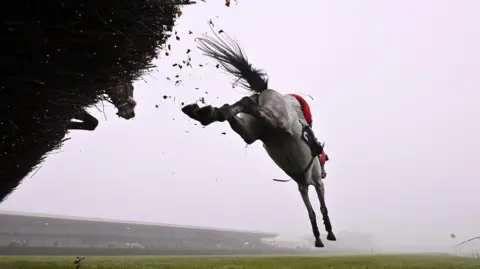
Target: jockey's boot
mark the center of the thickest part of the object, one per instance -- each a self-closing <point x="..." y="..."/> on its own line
<point x="315" y="146"/>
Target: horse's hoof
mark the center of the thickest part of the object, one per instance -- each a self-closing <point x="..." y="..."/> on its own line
<point x="331" y="237"/>
<point x="190" y="109"/>
<point x="319" y="243"/>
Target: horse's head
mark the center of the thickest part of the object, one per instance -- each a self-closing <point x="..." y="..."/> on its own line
<point x="323" y="160"/>
<point x="122" y="99"/>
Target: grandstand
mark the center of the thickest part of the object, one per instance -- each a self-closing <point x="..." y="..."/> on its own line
<point x="22" y="230"/>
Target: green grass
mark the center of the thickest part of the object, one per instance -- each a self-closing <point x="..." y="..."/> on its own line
<point x="149" y="262"/>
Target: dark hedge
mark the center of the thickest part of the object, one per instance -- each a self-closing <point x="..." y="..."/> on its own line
<point x="58" y="57"/>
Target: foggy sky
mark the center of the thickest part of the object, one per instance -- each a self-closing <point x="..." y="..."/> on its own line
<point x="396" y="99"/>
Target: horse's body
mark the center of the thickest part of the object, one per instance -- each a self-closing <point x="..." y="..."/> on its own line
<point x="291" y="143"/>
<point x="271" y="117"/>
<point x="121" y="97"/>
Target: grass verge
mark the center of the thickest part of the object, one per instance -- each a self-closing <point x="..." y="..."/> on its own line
<point x="151" y="262"/>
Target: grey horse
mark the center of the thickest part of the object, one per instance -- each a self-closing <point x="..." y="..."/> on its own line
<point x="276" y="119"/>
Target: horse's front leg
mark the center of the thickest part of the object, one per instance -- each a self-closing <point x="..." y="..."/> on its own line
<point x="311" y="214"/>
<point x="319" y="188"/>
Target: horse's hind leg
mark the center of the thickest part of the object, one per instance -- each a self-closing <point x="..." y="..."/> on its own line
<point x="311" y="214"/>
<point x="205" y="115"/>
<point x="264" y="111"/>
<point x="270" y="110"/>
<point x="247" y="127"/>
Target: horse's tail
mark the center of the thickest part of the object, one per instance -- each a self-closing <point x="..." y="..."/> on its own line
<point x="230" y="56"/>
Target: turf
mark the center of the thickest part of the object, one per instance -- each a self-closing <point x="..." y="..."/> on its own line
<point x="370" y="262"/>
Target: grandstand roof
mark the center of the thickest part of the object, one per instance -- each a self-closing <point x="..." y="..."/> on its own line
<point x="133" y="223"/>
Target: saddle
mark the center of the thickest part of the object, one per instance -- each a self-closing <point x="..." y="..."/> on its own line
<point x="305" y="108"/>
<point x="307" y="133"/>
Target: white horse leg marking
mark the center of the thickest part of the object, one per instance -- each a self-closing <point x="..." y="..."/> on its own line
<point x="311" y="214"/>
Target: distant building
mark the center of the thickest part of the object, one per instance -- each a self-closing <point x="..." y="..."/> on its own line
<point x="38" y="230"/>
<point x="288" y="242"/>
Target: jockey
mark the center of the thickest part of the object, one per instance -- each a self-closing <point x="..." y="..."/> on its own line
<point x="317" y="147"/>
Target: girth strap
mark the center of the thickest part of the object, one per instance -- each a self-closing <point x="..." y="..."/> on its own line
<point x="308" y="139"/>
<point x="299" y="175"/>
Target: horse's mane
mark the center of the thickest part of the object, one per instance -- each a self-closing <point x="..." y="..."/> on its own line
<point x="228" y="53"/>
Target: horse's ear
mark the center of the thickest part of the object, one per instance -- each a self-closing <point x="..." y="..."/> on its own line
<point x="323" y="144"/>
